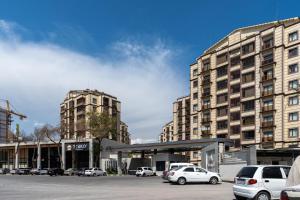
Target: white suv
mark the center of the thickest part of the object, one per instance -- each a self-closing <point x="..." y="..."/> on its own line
<point x="260" y="182"/>
<point x="145" y="171"/>
<point x="193" y="174"/>
<point x="94" y="172"/>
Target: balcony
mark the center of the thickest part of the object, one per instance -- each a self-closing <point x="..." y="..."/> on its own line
<point x="206" y="119"/>
<point x="205" y="68"/>
<point x="267" y="93"/>
<point x="267" y="124"/>
<point x="267" y="62"/>
<point x="267" y="142"/>
<point x="267" y="108"/>
<point x="205" y="106"/>
<point x="81" y="112"/>
<point x="206" y="82"/>
<point x="267" y="44"/>
<point x="205" y="94"/>
<point x="267" y="77"/>
<point x="205" y="133"/>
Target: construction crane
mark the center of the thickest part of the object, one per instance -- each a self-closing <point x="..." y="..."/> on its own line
<point x="8" y="112"/>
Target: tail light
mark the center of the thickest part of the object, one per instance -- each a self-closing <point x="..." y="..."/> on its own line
<point x="252" y="181"/>
<point x="284" y="196"/>
<point x="172" y="173"/>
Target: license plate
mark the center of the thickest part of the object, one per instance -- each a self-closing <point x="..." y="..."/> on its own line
<point x="240" y="181"/>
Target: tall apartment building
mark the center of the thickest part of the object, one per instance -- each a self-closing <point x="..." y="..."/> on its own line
<point x="246" y="87"/>
<point x="167" y="134"/>
<point x="181" y="118"/>
<point x="76" y="106"/>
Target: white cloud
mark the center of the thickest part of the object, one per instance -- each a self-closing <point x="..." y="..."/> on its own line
<point x="35" y="76"/>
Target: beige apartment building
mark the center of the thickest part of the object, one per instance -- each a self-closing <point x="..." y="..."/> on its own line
<point x="77" y="105"/>
<point x="181" y="119"/>
<point x="167" y="134"/>
<point x="247" y="86"/>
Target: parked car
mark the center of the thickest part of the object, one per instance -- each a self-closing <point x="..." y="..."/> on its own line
<point x="145" y="171"/>
<point x="190" y="174"/>
<point x="81" y="172"/>
<point x="4" y="171"/>
<point x="260" y="182"/>
<point x="291" y="193"/>
<point x="174" y="166"/>
<point x="94" y="172"/>
<point x="70" y="172"/>
<point x="22" y="171"/>
<point x="34" y="171"/>
<point x="55" y="172"/>
<point x="43" y="171"/>
<point x="13" y="171"/>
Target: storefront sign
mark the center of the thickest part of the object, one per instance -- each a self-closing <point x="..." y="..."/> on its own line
<point x="78" y="147"/>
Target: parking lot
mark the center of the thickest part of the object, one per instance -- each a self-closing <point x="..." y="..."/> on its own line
<point x="14" y="187"/>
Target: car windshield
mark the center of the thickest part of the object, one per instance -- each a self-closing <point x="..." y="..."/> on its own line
<point x="139" y="168"/>
<point x="247" y="172"/>
<point x="174" y="166"/>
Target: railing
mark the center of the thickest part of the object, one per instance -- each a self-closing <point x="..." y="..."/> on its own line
<point x="206" y="82"/>
<point x="206" y="119"/>
<point x="267" y="108"/>
<point x="205" y="133"/>
<point x="269" y="61"/>
<point x="205" y="106"/>
<point x="267" y="45"/>
<point x="267" y="77"/>
<point x="267" y="92"/>
<point x="267" y="123"/>
<point x="267" y="139"/>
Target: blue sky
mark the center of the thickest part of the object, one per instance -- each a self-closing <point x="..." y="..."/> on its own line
<point x="116" y="36"/>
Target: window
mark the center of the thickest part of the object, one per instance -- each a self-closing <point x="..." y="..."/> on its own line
<point x="247" y="172"/>
<point x="195" y="72"/>
<point x="222" y="111"/>
<point x="248" y="92"/>
<point x="189" y="169"/>
<point x="293" y="36"/>
<point x="222" y="98"/>
<point x="293" y="68"/>
<point x="293" y="132"/>
<point x="195" y="119"/>
<point x="293" y="85"/>
<point x="195" y="155"/>
<point x="195" y="131"/>
<point x="235" y="61"/>
<point x="286" y="171"/>
<point x="195" y="95"/>
<point x="248" y="106"/>
<point x="268" y="41"/>
<point x="195" y="107"/>
<point x="248" y="48"/>
<point x="235" y="102"/>
<point x="234" y="51"/>
<point x="248" y="62"/>
<point x="235" y="116"/>
<point x="94" y="101"/>
<point x="294" y="116"/>
<point x="248" y="77"/>
<point x="267" y="58"/>
<point x="222" y="124"/>
<point x="235" y="129"/>
<point x="293" y="100"/>
<point x="235" y="75"/>
<point x="195" y="84"/>
<point x="235" y="89"/>
<point x="248" y="121"/>
<point x="249" y="135"/>
<point x="237" y="143"/>
<point x="222" y="71"/>
<point x="200" y="170"/>
<point x="222" y="58"/>
<point x="293" y="52"/>
<point x="206" y="65"/>
<point x="272" y="173"/>
<point x="222" y="84"/>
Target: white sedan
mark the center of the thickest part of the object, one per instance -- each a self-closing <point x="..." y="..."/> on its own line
<point x="185" y="175"/>
<point x="94" y="172"/>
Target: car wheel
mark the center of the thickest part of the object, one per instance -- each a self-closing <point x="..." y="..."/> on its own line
<point x="213" y="180"/>
<point x="237" y="197"/>
<point x="144" y="174"/>
<point x="154" y="174"/>
<point x="104" y="174"/>
<point x="263" y="196"/>
<point x="181" y="181"/>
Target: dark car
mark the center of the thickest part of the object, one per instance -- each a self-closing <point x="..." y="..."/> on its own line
<point x="81" y="171"/>
<point x="55" y="172"/>
<point x="4" y="171"/>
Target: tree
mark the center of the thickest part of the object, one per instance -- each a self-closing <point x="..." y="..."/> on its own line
<point x="102" y="125"/>
<point x="37" y="136"/>
<point x="55" y="134"/>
